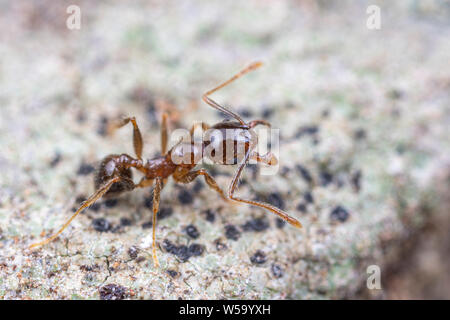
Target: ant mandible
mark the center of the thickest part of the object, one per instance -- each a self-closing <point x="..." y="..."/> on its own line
<point x="114" y="175"/>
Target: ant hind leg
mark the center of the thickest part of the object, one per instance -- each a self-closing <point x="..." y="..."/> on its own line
<point x="97" y="195"/>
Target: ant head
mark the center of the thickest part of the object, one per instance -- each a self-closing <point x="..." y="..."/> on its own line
<point x="109" y="168"/>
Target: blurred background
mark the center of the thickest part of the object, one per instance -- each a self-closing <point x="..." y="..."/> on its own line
<point x="360" y="91"/>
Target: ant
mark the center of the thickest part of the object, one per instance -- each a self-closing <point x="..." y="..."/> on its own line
<point x="114" y="175"/>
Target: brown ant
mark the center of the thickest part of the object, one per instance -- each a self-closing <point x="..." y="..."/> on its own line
<point x="114" y="175"/>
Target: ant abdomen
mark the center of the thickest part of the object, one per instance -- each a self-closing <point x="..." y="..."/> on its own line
<point x="110" y="167"/>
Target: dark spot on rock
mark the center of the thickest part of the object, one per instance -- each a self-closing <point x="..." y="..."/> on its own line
<point x="198" y="186"/>
<point x="85" y="169"/>
<point x="400" y="149"/>
<point x="103" y="126"/>
<point x="209" y="215"/>
<point x="182" y="253"/>
<point x="165" y="212"/>
<point x="192" y="231"/>
<point x="267" y="113"/>
<point x="395" y="94"/>
<point x="95" y="207"/>
<point x="151" y="112"/>
<point x="185" y="196"/>
<point x="56" y="160"/>
<point x="307" y="131"/>
<point x="112" y="292"/>
<point x="101" y="225"/>
<point x="284" y="171"/>
<point x="220" y="246"/>
<point x="277" y="271"/>
<point x="356" y="180"/>
<point x="147" y="225"/>
<point x="195" y="250"/>
<point x="80" y="199"/>
<point x="231" y="232"/>
<point x="301" y="207"/>
<point x="148" y="202"/>
<point x="125" y="222"/>
<point x="257" y="225"/>
<point x="308" y="197"/>
<point x="140" y="259"/>
<point x="280" y="223"/>
<point x="276" y="199"/>
<point x="245" y="112"/>
<point x="110" y="203"/>
<point x="325" y="178"/>
<point x="169" y="246"/>
<point x="304" y="173"/>
<point x="89" y="268"/>
<point x="339" y="214"/>
<point x="360" y="134"/>
<point x="258" y="258"/>
<point x="254" y="168"/>
<point x="172" y="273"/>
<point x="133" y="252"/>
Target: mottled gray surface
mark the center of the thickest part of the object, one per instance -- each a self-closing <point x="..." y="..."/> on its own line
<point x="379" y="101"/>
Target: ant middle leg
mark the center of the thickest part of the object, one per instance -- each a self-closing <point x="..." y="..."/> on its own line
<point x="187" y="177"/>
<point x="156" y="198"/>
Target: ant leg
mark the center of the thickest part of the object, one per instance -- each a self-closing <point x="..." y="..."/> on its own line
<point x="217" y="106"/>
<point x="269" y="158"/>
<point x="233" y="186"/>
<point x="137" y="137"/>
<point x="164" y="133"/>
<point x="156" y="198"/>
<point x="144" y="183"/>
<point x="191" y="175"/>
<point x="255" y="123"/>
<point x="204" y="125"/>
<point x="97" y="195"/>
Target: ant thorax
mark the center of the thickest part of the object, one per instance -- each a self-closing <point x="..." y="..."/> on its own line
<point x="187" y="153"/>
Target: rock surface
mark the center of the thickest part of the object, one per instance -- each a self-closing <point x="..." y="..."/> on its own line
<point x="364" y="119"/>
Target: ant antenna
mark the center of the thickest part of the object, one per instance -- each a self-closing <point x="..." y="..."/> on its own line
<point x="226" y="110"/>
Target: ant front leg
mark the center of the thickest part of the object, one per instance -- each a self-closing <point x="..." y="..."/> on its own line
<point x="138" y="143"/>
<point x="233" y="187"/>
<point x="182" y="176"/>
